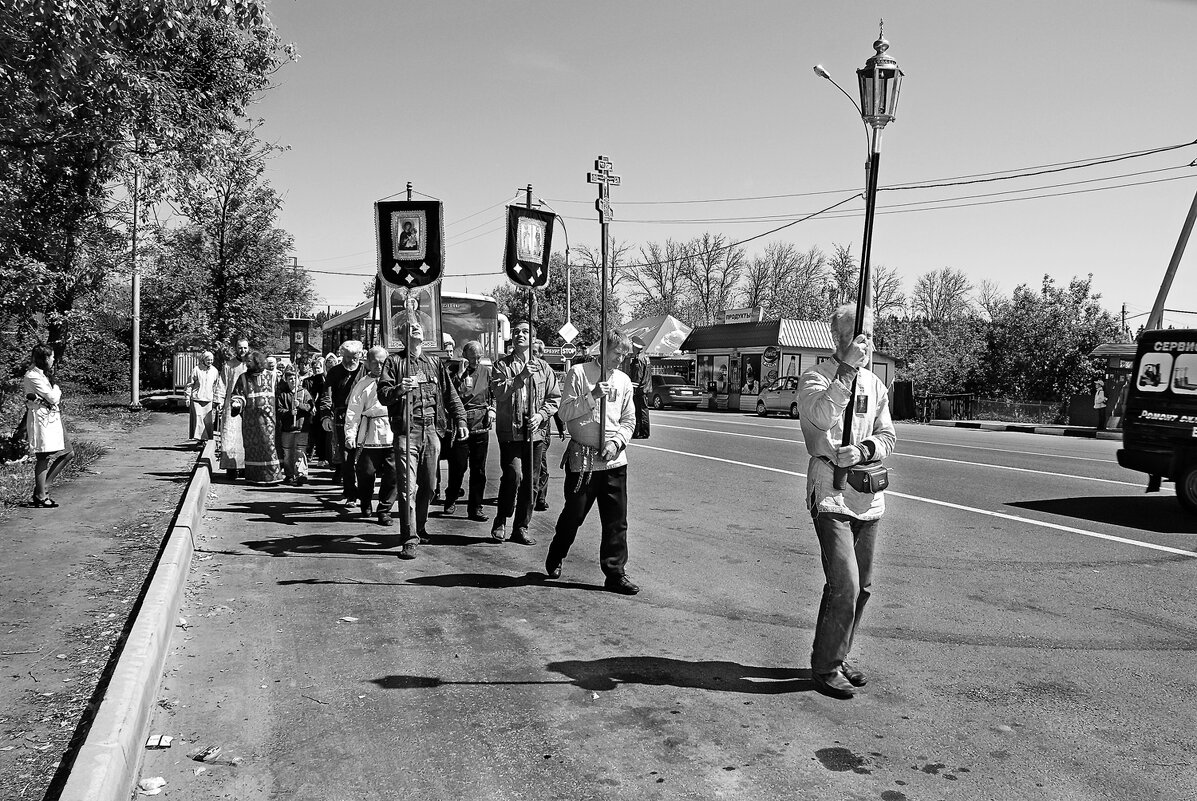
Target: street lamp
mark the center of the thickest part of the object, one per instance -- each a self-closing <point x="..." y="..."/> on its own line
<point x="879" y="79"/>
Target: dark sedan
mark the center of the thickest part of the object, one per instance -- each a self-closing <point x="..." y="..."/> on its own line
<point x="672" y="390"/>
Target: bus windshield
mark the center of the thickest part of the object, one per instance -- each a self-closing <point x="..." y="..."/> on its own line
<point x="466" y="317"/>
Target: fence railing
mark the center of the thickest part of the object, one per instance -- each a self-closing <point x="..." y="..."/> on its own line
<point x="969" y="407"/>
<point x="944" y="407"/>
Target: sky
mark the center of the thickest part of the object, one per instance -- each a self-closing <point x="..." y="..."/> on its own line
<point x="714" y="119"/>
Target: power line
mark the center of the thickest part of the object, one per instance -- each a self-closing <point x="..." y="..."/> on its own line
<point x="931" y="183"/>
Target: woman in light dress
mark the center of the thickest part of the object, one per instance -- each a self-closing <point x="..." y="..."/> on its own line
<point x="43" y="425"/>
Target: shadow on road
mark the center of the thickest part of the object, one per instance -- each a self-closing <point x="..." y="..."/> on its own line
<point x="607" y="674"/>
<point x="317" y="544"/>
<point x="1158" y="513"/>
<point x="497" y="581"/>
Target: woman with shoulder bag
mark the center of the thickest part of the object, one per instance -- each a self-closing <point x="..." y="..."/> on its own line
<point x="47" y="437"/>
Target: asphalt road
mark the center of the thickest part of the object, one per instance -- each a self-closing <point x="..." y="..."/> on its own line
<point x="1031" y="636"/>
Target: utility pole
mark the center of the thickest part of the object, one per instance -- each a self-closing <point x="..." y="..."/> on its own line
<point x="135" y="380"/>
<point x="1156" y="319"/>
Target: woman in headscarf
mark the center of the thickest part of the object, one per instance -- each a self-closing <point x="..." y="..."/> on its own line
<point x="253" y="401"/>
<point x="201" y="392"/>
<point x="312" y="379"/>
<point x="43" y="425"/>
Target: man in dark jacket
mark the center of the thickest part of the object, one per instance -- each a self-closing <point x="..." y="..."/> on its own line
<point x="333" y="401"/>
<point x="636" y="367"/>
<point x="293" y="413"/>
<point x="473" y="387"/>
<point x="420" y="381"/>
<point x="526" y="396"/>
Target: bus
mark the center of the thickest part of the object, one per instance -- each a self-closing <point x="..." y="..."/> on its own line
<point x="450" y="319"/>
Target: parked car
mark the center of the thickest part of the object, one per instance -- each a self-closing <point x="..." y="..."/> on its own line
<point x="781" y="397"/>
<point x="672" y="390"/>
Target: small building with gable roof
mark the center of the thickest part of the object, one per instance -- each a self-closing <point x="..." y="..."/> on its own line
<point x="736" y="360"/>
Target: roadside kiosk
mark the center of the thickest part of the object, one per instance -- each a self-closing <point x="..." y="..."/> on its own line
<point x="735" y="361"/>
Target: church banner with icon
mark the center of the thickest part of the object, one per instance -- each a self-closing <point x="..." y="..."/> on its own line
<point x="529" y="245"/>
<point x="411" y="238"/>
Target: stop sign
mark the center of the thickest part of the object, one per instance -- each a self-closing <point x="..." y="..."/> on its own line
<point x="568" y="351"/>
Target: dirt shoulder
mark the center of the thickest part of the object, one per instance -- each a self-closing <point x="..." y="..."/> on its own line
<point x="70" y="578"/>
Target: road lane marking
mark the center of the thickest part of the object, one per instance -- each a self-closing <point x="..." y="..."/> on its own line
<point x="931" y="442"/>
<point x="902" y="455"/>
<point x="783" y="427"/>
<point x="1002" y="515"/>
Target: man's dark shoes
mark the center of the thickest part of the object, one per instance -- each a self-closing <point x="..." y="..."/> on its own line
<point x="835" y="684"/>
<point x="450" y="508"/>
<point x="854" y="675"/>
<point x="542" y="506"/>
<point x="498" y="532"/>
<point x="384" y="519"/>
<point x="367" y="508"/>
<point x="477" y="516"/>
<point x="409" y="549"/>
<point x="552" y="568"/>
<point x="621" y="584"/>
<point x="521" y="537"/>
<point x="424" y="538"/>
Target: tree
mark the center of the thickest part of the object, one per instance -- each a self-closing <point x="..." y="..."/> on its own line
<point x="990" y="299"/>
<point x="226" y="272"/>
<point x="1039" y="343"/>
<point x="712" y="273"/>
<point x="657" y="284"/>
<point x="844" y="274"/>
<point x="96" y="92"/>
<point x="550" y="303"/>
<point x="941" y="295"/>
<point x="887" y="292"/>
<point x="621" y="264"/>
<point x="800" y="286"/>
<point x="943" y="358"/>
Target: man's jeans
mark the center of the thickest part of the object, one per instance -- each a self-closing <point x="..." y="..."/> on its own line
<point x="847" y="550"/>
<point x="518" y="483"/>
<point x="422" y="454"/>
<point x="380" y="462"/>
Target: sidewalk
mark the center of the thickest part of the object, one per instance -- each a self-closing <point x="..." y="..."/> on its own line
<point x="70" y="577"/>
<point x="1029" y="428"/>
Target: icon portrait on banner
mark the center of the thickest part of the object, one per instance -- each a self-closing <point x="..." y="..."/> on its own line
<point x="408" y="233"/>
<point x="529" y="240"/>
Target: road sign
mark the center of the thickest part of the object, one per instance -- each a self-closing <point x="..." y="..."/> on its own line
<point x="568" y="351"/>
<point x="568" y="332"/>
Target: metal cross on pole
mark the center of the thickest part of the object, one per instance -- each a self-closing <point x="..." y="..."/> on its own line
<point x="603" y="176"/>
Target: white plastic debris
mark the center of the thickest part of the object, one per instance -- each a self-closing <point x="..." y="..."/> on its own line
<point x="151" y="786"/>
<point x="159" y="741"/>
<point x="348" y="619"/>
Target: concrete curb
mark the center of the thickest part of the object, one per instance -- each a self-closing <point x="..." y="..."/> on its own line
<point x="107" y="762"/>
<point x="1026" y="428"/>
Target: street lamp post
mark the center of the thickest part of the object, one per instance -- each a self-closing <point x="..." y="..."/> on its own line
<point x="879" y="79"/>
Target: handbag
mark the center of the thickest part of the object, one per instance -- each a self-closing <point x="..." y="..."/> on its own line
<point x="869" y="478"/>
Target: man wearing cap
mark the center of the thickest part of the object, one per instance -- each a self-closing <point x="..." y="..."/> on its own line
<point x="635" y="366"/>
<point x="418" y="384"/>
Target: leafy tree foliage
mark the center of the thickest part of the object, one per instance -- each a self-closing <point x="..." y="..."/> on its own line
<point x="226" y="272"/>
<point x="1038" y="344"/>
<point x="94" y="92"/>
<point x="585" y="303"/>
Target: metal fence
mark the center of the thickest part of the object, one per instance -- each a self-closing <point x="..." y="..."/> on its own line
<point x="943" y="407"/>
<point x="970" y="407"/>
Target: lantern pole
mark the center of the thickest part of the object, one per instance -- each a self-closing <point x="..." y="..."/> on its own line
<point x="879" y="79"/>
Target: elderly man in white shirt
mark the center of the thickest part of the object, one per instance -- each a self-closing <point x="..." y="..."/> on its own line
<point x="596" y="462"/>
<point x="846" y="518"/>
<point x="368" y="433"/>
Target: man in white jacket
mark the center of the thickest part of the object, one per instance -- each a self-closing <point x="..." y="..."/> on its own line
<point x="368" y="428"/>
<point x="847" y="519"/>
<point x="596" y="462"/>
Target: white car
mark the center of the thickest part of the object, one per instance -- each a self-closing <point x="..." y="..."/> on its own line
<point x="781" y="397"/>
